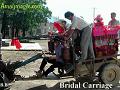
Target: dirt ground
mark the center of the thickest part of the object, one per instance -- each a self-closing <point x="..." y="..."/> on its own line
<point x="29" y="83"/>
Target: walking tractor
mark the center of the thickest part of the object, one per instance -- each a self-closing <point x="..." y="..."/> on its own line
<point x="105" y="66"/>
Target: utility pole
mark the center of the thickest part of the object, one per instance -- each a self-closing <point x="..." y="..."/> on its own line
<point x="94" y="9"/>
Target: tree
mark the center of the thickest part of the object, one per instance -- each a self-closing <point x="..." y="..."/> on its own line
<point x="22" y="14"/>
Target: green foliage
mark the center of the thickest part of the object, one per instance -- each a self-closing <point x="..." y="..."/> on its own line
<point x="23" y="14"/>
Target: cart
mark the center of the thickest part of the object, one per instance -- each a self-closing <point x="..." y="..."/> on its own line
<point x="106" y="66"/>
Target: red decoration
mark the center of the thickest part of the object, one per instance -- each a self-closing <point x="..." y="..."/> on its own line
<point x="58" y="27"/>
<point x="105" y="38"/>
<point x="16" y="42"/>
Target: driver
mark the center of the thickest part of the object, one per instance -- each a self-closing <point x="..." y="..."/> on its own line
<point x="56" y="61"/>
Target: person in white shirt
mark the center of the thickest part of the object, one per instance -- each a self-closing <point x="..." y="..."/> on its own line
<point x="113" y="20"/>
<point x="85" y="31"/>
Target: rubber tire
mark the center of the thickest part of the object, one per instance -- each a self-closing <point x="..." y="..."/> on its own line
<point x="2" y="81"/>
<point x="103" y="74"/>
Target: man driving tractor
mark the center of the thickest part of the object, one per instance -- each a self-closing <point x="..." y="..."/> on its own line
<point x="56" y="60"/>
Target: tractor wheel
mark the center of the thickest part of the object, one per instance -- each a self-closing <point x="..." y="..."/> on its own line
<point x="110" y="74"/>
<point x="2" y="83"/>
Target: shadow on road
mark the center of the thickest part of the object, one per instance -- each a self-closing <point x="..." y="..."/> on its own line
<point x="52" y="76"/>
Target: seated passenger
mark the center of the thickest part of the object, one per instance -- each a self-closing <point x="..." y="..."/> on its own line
<point x="57" y="60"/>
<point x="61" y="29"/>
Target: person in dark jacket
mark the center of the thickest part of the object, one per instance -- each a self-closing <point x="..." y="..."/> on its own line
<point x="56" y="61"/>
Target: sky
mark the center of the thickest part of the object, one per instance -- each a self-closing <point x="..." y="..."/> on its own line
<point x="88" y="9"/>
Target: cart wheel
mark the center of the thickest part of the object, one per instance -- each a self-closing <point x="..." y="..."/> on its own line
<point x="110" y="74"/>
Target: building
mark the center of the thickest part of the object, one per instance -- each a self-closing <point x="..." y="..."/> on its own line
<point x="44" y="28"/>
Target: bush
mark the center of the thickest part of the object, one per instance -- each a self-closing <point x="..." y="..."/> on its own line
<point x="24" y="41"/>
